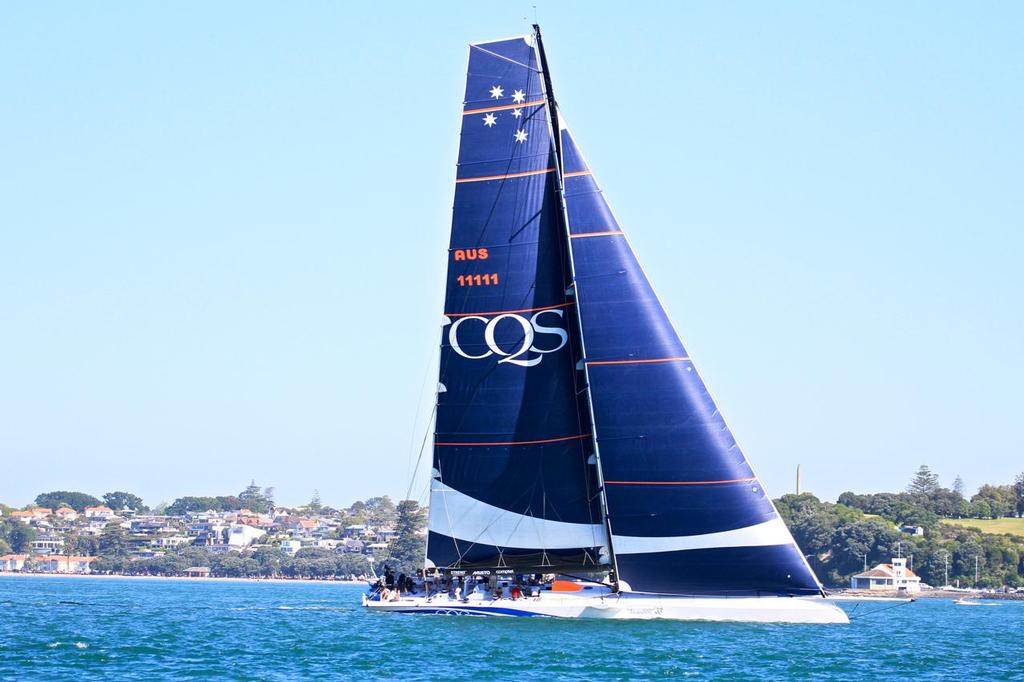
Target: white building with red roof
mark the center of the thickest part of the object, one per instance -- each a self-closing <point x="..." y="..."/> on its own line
<point x="890" y="577"/>
<point x="98" y="512"/>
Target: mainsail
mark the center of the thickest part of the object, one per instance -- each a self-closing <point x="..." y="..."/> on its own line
<point x="544" y="458"/>
<point x="510" y="485"/>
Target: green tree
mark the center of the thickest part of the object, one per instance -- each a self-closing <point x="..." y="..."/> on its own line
<point x="958" y="485"/>
<point x="1018" y="493"/>
<point x="380" y="511"/>
<point x="408" y="546"/>
<point x="80" y="544"/>
<point x="121" y="500"/>
<point x="17" y="535"/>
<point x="256" y="500"/>
<point x="184" y="505"/>
<point x="113" y="541"/>
<point x="269" y="560"/>
<point x="60" y="498"/>
<point x="924" y="483"/>
<point x="1001" y="500"/>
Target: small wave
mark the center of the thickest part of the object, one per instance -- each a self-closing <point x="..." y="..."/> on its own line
<point x="81" y="645"/>
<point x="53" y="645"/>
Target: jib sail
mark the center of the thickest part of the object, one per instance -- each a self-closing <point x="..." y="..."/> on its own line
<point x="686" y="512"/>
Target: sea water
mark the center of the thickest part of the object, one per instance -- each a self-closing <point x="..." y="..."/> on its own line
<point x="106" y="629"/>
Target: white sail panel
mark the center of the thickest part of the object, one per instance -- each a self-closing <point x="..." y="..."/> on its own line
<point x="459" y="516"/>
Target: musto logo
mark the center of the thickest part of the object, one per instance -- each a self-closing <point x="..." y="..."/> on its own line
<point x="518" y="340"/>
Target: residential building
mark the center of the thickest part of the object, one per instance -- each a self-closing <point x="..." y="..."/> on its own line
<point x="66" y="514"/>
<point x="101" y="513"/>
<point x="48" y="543"/>
<point x="13" y="562"/>
<point x="64" y="564"/>
<point x="893" y="576"/>
<point x="243" y="536"/>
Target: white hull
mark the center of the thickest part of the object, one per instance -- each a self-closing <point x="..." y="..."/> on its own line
<point x="628" y="606"/>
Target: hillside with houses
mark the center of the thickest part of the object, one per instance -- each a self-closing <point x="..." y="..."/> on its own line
<point x="945" y="536"/>
<point x="244" y="535"/>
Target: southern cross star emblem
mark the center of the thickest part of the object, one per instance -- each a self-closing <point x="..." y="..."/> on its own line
<point x="517" y="112"/>
<point x="518" y="96"/>
<point x="497" y="91"/>
<point x="520" y="136"/>
<point x="490" y="120"/>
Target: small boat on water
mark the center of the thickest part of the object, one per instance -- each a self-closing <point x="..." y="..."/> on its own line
<point x="580" y="468"/>
<point x="971" y="601"/>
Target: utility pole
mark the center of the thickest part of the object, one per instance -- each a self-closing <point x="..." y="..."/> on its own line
<point x="797" y="479"/>
<point x="975" y="570"/>
<point x="945" y="569"/>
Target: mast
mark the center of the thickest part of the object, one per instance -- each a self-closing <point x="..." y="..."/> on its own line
<point x="556" y="135"/>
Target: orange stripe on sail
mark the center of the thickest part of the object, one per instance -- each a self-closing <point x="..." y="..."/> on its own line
<point x="730" y="480"/>
<point x="503" y="177"/>
<point x="635" y="362"/>
<point x="581" y="235"/>
<point x="522" y="442"/>
<point x="575" y="174"/>
<point x="504" y="107"/>
<point x="520" y="310"/>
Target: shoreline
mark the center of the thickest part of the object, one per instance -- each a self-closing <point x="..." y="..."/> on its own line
<point x="114" y="576"/>
<point x="931" y="594"/>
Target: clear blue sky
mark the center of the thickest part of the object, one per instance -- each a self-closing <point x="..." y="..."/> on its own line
<point x="223" y="230"/>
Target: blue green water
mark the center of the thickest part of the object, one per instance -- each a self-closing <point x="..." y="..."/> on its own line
<point x="82" y="629"/>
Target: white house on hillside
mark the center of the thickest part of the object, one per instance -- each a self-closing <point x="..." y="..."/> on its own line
<point x="243" y="536"/>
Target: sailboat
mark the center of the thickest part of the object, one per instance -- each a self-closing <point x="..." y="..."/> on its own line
<point x="573" y="434"/>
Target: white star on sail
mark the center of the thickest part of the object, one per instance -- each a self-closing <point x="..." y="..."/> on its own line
<point x="520" y="136"/>
<point x="497" y="91"/>
<point x="517" y="112"/>
<point x="490" y="120"/>
<point x="518" y="96"/>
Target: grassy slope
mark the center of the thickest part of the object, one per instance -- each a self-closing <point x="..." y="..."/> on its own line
<point x="1005" y="526"/>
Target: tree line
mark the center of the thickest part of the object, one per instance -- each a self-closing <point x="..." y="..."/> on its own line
<point x="840" y="538"/>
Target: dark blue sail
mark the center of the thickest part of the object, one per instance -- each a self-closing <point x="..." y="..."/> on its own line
<point x="510" y="486"/>
<point x="686" y="512"/>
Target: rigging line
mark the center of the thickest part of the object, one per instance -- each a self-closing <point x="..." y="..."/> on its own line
<point x="879" y="610"/>
<point x="525" y="494"/>
<point x="448" y="515"/>
<point x="502" y="57"/>
<point x="423" y="446"/>
<point x="409" y="471"/>
<point x="408" y="491"/>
